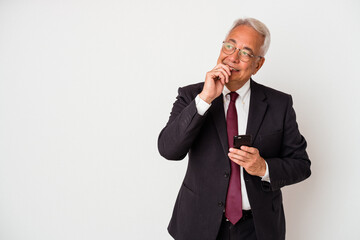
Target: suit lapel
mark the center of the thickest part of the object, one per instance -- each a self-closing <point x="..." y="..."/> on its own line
<point x="218" y="113"/>
<point x="257" y="110"/>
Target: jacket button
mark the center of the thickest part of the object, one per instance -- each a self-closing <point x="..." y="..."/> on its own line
<point x="220" y="204"/>
<point x="226" y="175"/>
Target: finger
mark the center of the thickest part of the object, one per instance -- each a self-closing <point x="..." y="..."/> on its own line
<point x="224" y="67"/>
<point x="243" y="154"/>
<point x="238" y="162"/>
<point x="249" y="149"/>
<point x="226" y="75"/>
<point x="243" y="164"/>
<point x="218" y="75"/>
<point x="227" y="68"/>
<point x="236" y="157"/>
<point x="238" y="151"/>
<point x="234" y="150"/>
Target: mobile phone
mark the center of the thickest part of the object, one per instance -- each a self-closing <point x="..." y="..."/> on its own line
<point x="242" y="140"/>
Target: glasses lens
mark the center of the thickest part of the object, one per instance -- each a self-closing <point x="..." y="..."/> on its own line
<point x="244" y="55"/>
<point x="228" y="48"/>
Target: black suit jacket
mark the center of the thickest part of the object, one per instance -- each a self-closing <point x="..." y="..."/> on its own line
<point x="200" y="203"/>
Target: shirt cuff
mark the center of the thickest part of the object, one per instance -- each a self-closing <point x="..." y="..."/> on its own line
<point x="201" y="105"/>
<point x="266" y="177"/>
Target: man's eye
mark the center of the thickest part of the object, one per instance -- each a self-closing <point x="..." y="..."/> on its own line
<point x="245" y="53"/>
<point x="229" y="46"/>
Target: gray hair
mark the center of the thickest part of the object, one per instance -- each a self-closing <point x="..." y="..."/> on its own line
<point x="257" y="26"/>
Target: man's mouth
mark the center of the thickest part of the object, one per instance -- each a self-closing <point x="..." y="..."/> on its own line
<point x="232" y="68"/>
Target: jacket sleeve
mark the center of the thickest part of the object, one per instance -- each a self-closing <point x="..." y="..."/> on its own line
<point x="294" y="164"/>
<point x="182" y="128"/>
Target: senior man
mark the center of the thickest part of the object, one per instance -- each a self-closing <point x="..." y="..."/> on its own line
<point x="227" y="192"/>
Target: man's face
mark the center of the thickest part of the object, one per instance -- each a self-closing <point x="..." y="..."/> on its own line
<point x="243" y="37"/>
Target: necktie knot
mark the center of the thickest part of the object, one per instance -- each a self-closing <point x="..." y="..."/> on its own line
<point x="233" y="96"/>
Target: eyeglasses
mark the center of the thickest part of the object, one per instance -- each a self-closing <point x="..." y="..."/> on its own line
<point x="244" y="54"/>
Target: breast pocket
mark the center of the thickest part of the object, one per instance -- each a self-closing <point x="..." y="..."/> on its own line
<point x="270" y="144"/>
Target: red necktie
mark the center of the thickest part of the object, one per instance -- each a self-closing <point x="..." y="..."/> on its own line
<point x="233" y="207"/>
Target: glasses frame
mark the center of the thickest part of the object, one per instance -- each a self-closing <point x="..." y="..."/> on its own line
<point x="235" y="48"/>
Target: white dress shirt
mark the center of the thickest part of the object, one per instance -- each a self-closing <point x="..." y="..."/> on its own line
<point x="242" y="108"/>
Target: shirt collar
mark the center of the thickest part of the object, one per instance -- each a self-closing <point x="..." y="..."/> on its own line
<point x="241" y="91"/>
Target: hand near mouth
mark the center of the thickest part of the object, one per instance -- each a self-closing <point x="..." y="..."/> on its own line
<point x="215" y="81"/>
<point x="233" y="69"/>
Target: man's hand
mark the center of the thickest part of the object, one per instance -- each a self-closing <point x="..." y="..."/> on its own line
<point x="214" y="82"/>
<point x="250" y="159"/>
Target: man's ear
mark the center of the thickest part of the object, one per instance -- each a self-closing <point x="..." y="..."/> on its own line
<point x="259" y="65"/>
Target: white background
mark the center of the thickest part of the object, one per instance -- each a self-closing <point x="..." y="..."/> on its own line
<point x="86" y="86"/>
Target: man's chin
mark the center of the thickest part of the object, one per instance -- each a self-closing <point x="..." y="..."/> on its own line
<point x="235" y="84"/>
